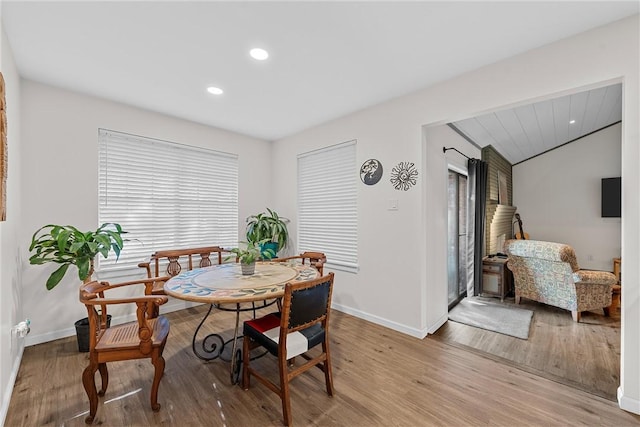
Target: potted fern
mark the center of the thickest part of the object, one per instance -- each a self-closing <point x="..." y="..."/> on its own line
<point x="66" y="245"/>
<point x="270" y="228"/>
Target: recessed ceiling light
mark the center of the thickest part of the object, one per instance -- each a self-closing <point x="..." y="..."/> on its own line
<point x="215" y="90"/>
<point x="571" y="122"/>
<point x="259" y="54"/>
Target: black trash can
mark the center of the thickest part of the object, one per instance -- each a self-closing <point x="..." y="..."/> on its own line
<point x="82" y="333"/>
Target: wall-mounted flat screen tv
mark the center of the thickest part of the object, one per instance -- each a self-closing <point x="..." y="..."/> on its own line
<point x="611" y="197"/>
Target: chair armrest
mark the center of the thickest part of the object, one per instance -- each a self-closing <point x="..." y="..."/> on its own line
<point x="148" y="282"/>
<point x="285" y="258"/>
<point x="95" y="290"/>
<point x="147" y="266"/>
<point x="595" y="277"/>
<point x="155" y="299"/>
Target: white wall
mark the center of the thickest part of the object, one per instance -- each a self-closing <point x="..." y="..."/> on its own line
<point x="397" y="273"/>
<point x="558" y="197"/>
<point x="60" y="183"/>
<point x="10" y="246"/>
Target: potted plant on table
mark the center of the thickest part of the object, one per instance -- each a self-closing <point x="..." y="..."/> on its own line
<point x="251" y="253"/>
<point x="270" y="228"/>
<point x="66" y="245"/>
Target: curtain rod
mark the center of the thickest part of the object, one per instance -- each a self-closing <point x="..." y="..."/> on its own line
<point x="444" y="150"/>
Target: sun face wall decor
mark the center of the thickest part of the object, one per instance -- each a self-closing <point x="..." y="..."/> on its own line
<point x="404" y="176"/>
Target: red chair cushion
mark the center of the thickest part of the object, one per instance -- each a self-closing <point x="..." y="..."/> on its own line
<point x="266" y="331"/>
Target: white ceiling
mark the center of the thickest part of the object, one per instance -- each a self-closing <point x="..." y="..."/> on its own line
<point x="524" y="132"/>
<point x="327" y="59"/>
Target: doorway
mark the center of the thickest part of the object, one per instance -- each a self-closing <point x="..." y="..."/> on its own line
<point x="456" y="237"/>
<point x="599" y="372"/>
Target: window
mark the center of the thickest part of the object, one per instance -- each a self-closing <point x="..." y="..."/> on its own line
<point x="327" y="204"/>
<point x="165" y="195"/>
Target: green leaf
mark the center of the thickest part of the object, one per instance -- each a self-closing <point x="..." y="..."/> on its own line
<point x="75" y="247"/>
<point x="104" y="251"/>
<point x="35" y="260"/>
<point x="56" y="276"/>
<point x="116" y="249"/>
<point x="62" y="239"/>
<point x="83" y="267"/>
<point x="115" y="237"/>
<point x="92" y="247"/>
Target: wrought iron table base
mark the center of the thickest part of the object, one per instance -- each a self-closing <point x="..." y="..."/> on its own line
<point x="212" y="346"/>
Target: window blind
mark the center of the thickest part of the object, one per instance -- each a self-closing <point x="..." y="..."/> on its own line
<point x="327" y="204"/>
<point x="165" y="195"/>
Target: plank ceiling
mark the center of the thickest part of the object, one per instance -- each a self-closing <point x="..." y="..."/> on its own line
<point x="527" y="131"/>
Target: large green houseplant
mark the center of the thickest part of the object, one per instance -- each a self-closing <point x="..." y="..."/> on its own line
<point x="66" y="245"/>
<point x="268" y="227"/>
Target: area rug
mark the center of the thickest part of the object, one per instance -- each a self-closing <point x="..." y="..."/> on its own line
<point x="493" y="317"/>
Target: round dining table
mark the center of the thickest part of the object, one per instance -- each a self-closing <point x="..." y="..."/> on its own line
<point x="224" y="287"/>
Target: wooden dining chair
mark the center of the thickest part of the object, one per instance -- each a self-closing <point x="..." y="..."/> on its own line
<point x="302" y="325"/>
<point x="144" y="338"/>
<point x="178" y="259"/>
<point x="315" y="259"/>
<point x="171" y="262"/>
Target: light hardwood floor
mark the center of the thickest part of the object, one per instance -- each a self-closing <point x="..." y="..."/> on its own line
<point x="585" y="355"/>
<point x="381" y="378"/>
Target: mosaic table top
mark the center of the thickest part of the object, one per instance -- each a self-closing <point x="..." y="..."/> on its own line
<point x="225" y="284"/>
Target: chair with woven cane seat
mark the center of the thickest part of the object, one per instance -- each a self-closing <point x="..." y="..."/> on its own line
<point x="315" y="259"/>
<point x="144" y="338"/>
<point x="302" y="325"/>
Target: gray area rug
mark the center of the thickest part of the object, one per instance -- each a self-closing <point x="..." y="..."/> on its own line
<point x="493" y="317"/>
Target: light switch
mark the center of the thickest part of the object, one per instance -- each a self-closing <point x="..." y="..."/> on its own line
<point x="393" y="204"/>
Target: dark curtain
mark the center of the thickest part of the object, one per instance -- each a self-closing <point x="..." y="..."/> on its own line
<point x="477" y="170"/>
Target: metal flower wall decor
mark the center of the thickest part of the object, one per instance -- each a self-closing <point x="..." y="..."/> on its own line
<point x="404" y="176"/>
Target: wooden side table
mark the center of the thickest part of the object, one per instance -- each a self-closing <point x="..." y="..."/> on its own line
<point x="497" y="279"/>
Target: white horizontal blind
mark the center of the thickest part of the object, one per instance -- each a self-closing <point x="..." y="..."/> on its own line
<point x="165" y="195"/>
<point x="327" y="204"/>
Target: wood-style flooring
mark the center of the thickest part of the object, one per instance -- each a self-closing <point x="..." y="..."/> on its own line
<point x="381" y="378"/>
<point x="585" y="355"/>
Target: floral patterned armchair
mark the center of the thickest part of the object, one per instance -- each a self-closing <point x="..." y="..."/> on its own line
<point x="549" y="273"/>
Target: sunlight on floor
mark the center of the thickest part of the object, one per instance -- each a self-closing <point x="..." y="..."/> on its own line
<point x="82" y="414"/>
<point x="222" y="416"/>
